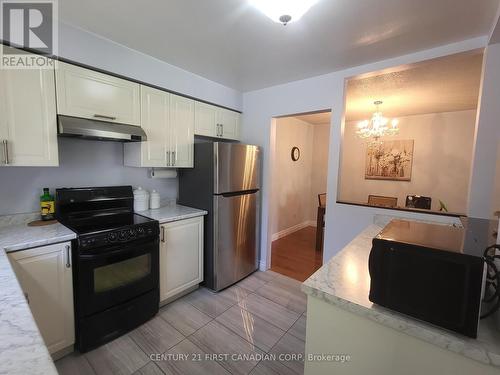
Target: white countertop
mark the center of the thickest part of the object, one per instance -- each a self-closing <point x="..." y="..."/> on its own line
<point x="22" y="349"/>
<point x="172" y="212"/>
<point x="344" y="281"/>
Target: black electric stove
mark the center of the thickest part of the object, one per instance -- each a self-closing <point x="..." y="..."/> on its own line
<point x="116" y="262"/>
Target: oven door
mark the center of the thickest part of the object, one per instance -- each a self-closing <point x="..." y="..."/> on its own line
<point x="116" y="274"/>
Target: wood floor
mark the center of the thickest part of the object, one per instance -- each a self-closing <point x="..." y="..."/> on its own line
<point x="295" y="255"/>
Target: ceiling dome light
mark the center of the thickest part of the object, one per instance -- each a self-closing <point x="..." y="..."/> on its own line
<point x="283" y="11"/>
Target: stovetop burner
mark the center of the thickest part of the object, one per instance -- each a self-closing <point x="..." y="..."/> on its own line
<point x="102" y="216"/>
<point x="94" y="224"/>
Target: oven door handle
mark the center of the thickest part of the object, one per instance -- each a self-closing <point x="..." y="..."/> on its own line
<point x="122" y="251"/>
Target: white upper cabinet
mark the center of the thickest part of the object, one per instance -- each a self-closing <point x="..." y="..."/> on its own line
<point x="89" y="94"/>
<point x="212" y="121"/>
<point x="205" y="116"/>
<point x="46" y="278"/>
<point x="168" y="121"/>
<point x="229" y="124"/>
<point x="182" y="133"/>
<point x="28" y="125"/>
<point x="155" y="120"/>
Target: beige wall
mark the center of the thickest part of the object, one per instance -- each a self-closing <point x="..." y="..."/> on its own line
<point x="441" y="164"/>
<point x="296" y="183"/>
<point x="319" y="167"/>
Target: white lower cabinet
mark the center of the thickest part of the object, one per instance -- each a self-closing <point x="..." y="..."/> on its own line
<point x="181" y="256"/>
<point x="45" y="275"/>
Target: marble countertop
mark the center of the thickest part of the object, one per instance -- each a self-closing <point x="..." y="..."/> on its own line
<point x="344" y="281"/>
<point x="22" y="349"/>
<point x="20" y="236"/>
<point x="172" y="212"/>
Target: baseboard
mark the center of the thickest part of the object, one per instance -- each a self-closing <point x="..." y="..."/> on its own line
<point x="295" y="228"/>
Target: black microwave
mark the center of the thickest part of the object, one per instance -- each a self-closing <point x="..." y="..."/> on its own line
<point x="432" y="272"/>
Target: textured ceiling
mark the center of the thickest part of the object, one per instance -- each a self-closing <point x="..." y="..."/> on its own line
<point x="230" y="42"/>
<point x="316" y="118"/>
<point x="441" y="85"/>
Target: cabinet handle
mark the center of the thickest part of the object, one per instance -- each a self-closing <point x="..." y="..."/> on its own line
<point x="112" y="118"/>
<point x="68" y="259"/>
<point x="5" y="145"/>
<point x="218" y="130"/>
<point x="173" y="158"/>
<point x="222" y="130"/>
<point x="168" y="158"/>
<point x="162" y="234"/>
<point x="27" y="298"/>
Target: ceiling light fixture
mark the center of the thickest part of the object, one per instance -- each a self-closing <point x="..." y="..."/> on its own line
<point x="378" y="125"/>
<point x="283" y="11"/>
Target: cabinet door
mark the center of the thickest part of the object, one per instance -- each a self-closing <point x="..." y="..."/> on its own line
<point x="155" y="118"/>
<point x="89" y="94"/>
<point x="45" y="276"/>
<point x="230" y="123"/>
<point x="28" y="126"/>
<point x="182" y="131"/>
<point x="205" y="119"/>
<point x="181" y="256"/>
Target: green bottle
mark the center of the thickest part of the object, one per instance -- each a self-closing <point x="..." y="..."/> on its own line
<point x="47" y="205"/>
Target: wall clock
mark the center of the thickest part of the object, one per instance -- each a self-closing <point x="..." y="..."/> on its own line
<point x="295" y="153"/>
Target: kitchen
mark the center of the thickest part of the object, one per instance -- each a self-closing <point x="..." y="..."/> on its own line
<point x="104" y="87"/>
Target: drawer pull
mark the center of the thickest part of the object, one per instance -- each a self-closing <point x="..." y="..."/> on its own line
<point x="5" y="145"/>
<point x="68" y="257"/>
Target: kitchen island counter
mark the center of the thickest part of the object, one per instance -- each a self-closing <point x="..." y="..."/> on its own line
<point x="344" y="283"/>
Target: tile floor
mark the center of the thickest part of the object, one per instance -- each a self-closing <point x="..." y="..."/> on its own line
<point x="264" y="313"/>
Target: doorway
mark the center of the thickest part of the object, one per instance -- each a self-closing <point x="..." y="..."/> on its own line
<point x="299" y="175"/>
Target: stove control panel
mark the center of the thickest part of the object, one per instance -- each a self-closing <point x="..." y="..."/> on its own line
<point x="119" y="235"/>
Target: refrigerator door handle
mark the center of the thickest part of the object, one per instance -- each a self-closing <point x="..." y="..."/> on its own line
<point x="237" y="193"/>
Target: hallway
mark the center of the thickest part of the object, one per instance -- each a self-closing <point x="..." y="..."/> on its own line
<point x="295" y="256"/>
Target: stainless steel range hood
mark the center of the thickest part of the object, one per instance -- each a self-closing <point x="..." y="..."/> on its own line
<point x="104" y="131"/>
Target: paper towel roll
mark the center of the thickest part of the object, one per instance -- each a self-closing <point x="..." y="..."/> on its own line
<point x="162" y="173"/>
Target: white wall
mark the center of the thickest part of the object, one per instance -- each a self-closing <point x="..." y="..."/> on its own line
<point x="487" y="137"/>
<point x="441" y="161"/>
<point x="81" y="163"/>
<point x="90" y="49"/>
<point x="297" y="183"/>
<point x="343" y="222"/>
<point x="496" y="190"/>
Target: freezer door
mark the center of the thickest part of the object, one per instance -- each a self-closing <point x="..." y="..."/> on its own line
<point x="236" y="167"/>
<point x="236" y="237"/>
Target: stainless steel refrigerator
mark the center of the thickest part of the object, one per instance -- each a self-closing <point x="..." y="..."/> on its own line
<point x="225" y="181"/>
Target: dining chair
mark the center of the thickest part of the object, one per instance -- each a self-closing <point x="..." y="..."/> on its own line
<point x="320" y="221"/>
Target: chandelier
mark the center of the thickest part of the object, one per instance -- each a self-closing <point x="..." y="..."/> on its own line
<point x="378" y="126"/>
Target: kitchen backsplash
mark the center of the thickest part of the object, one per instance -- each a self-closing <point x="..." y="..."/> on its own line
<point x="81" y="163"/>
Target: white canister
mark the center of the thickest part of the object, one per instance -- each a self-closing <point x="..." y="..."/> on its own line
<point x="141" y="199"/>
<point x="154" y="200"/>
